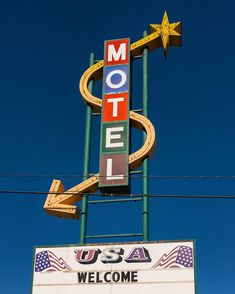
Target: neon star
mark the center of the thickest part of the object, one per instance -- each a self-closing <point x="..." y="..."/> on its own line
<point x="170" y="33"/>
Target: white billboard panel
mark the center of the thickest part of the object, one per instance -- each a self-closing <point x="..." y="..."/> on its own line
<point x="127" y="268"/>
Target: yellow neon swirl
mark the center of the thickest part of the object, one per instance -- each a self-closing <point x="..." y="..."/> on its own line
<point x="162" y="35"/>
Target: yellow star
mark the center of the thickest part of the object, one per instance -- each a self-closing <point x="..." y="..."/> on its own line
<point x="170" y="33"/>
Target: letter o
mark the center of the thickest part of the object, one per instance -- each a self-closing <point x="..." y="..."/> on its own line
<point x="121" y="83"/>
<point x="116" y="277"/>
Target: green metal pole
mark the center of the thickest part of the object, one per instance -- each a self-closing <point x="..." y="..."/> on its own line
<point x="84" y="204"/>
<point x="145" y="210"/>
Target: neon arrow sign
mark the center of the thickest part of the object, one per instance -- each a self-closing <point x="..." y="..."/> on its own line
<point x="60" y="203"/>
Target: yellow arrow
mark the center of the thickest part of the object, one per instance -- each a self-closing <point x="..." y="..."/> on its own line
<point x="60" y="203"/>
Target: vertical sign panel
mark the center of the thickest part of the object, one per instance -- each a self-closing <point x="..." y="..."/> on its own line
<point x="114" y="143"/>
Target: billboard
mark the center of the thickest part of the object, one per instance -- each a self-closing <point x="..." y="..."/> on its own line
<point x="127" y="268"/>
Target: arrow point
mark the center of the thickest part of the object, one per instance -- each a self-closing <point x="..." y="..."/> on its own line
<point x="56" y="188"/>
<point x="54" y="206"/>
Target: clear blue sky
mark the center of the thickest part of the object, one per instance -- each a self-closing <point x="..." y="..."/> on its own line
<point x="44" y="49"/>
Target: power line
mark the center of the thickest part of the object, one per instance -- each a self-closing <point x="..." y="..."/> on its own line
<point x="117" y="195"/>
<point x="5" y="175"/>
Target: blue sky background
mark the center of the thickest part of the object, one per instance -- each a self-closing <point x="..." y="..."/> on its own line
<point x="44" y="49"/>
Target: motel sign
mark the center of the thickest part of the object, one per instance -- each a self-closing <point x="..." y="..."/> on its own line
<point x="114" y="146"/>
<point x="115" y="161"/>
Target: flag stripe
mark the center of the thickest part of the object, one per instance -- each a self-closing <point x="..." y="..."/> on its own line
<point x="169" y="260"/>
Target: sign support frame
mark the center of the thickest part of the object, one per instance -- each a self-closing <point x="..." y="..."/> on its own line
<point x="145" y="211"/>
<point x="145" y="184"/>
<point x="86" y="164"/>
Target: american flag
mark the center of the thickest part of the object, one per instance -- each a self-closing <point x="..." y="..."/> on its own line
<point x="179" y="257"/>
<point x="47" y="261"/>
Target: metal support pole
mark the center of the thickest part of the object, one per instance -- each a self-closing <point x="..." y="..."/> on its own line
<point x="84" y="204"/>
<point x="145" y="211"/>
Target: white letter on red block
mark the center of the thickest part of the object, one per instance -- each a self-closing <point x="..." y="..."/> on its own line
<point x="115" y="104"/>
<point x="110" y="171"/>
<point x="120" y="54"/>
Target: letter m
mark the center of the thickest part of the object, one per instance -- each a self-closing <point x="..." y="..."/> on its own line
<point x="117" y="52"/>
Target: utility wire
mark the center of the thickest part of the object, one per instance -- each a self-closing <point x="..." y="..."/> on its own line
<point x="3" y="175"/>
<point x="117" y="195"/>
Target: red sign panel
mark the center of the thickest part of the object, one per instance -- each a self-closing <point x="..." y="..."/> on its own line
<point x="115" y="107"/>
<point x="117" y="52"/>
